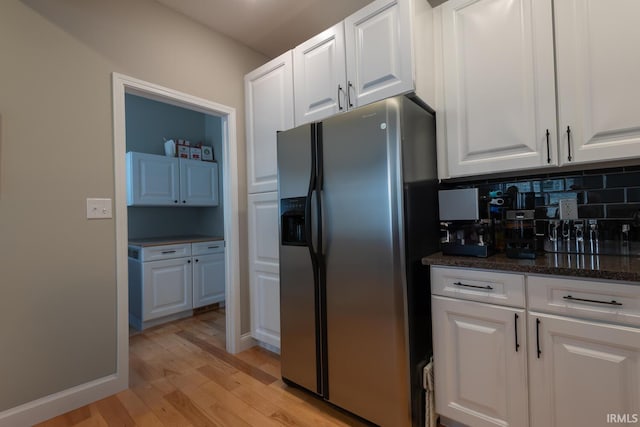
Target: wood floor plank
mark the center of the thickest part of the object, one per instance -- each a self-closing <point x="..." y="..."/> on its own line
<point x="166" y="412"/>
<point x="139" y="411"/>
<point x="114" y="412"/>
<point x="226" y="407"/>
<point x="237" y="363"/>
<point x="181" y="375"/>
<point x="189" y="410"/>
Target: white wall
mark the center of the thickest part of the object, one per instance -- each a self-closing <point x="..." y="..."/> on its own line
<point x="57" y="269"/>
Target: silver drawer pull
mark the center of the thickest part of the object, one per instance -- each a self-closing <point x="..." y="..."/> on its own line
<point x="489" y="288"/>
<point x="213" y="247"/>
<point x="168" y="252"/>
<point x="612" y="302"/>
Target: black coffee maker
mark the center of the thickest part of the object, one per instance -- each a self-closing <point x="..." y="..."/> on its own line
<point x="520" y="226"/>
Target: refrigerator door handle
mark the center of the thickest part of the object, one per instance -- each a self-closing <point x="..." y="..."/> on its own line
<point x="308" y="212"/>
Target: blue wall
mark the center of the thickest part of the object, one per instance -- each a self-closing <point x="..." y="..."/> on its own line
<point x="148" y="122"/>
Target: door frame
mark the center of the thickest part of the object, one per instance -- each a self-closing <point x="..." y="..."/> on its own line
<point x="123" y="84"/>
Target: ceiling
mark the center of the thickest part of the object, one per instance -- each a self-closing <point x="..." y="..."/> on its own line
<point x="267" y="26"/>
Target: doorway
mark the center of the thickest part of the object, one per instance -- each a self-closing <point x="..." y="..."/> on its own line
<point x="123" y="85"/>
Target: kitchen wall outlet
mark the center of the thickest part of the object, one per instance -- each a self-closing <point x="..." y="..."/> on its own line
<point x="99" y="209"/>
<point x="568" y="208"/>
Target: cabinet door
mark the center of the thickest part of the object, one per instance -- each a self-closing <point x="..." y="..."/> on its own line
<point x="319" y="76"/>
<point x="379" y="52"/>
<point x="499" y="92"/>
<point x="264" y="267"/>
<point x="584" y="372"/>
<point x="598" y="79"/>
<point x="198" y="183"/>
<point x="167" y="287"/>
<point x="152" y="180"/>
<point x="269" y="104"/>
<point x="208" y="279"/>
<point x="480" y="373"/>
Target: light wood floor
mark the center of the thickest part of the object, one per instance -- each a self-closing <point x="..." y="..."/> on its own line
<point x="180" y="375"/>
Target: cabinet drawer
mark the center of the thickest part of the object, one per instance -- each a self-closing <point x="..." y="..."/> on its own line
<point x="203" y="248"/>
<point x="617" y="302"/>
<point x="479" y="285"/>
<point x="154" y="253"/>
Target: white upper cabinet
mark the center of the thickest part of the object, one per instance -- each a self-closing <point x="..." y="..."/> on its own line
<point x="498" y="79"/>
<point x="382" y="50"/>
<point x="269" y="104"/>
<point x="379" y="51"/>
<point x="319" y="76"/>
<point x="598" y="79"/>
<point x="198" y="183"/>
<point x="495" y="88"/>
<point x="154" y="180"/>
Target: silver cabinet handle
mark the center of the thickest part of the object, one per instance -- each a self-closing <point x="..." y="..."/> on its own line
<point x="489" y="288"/>
<point x="213" y="247"/>
<point x="168" y="252"/>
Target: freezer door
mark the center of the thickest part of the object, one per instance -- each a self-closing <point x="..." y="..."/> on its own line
<point x="298" y="342"/>
<point x="366" y="338"/>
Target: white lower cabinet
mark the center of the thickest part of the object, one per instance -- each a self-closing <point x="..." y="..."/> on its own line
<point x="583" y="373"/>
<point x="481" y="375"/>
<point x="582" y="348"/>
<point x="264" y="267"/>
<point x="166" y="287"/>
<point x="166" y="282"/>
<point x="208" y="273"/>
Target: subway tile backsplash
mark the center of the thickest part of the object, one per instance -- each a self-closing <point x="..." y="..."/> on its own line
<point x="612" y="196"/>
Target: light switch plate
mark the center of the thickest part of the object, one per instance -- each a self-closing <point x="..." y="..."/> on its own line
<point x="99" y="208"/>
<point x="568" y="208"/>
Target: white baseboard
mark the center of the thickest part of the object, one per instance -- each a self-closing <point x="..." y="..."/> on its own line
<point x="271" y="348"/>
<point x="64" y="401"/>
<point x="450" y="423"/>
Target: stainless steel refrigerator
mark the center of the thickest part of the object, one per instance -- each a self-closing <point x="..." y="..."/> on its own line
<point x="358" y="209"/>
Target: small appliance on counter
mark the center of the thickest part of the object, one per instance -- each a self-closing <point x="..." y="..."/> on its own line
<point x="462" y="230"/>
<point x="520" y="234"/>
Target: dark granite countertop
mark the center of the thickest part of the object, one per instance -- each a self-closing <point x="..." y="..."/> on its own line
<point x="606" y="267"/>
<point x="159" y="241"/>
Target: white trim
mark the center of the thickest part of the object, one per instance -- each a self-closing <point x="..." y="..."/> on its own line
<point x="58" y="403"/>
<point x="247" y="341"/>
<point x="124" y="84"/>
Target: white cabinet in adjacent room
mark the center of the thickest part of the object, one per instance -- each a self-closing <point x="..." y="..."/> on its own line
<point x="166" y="287"/>
<point x="498" y="95"/>
<point x="264" y="267"/>
<point x="167" y="281"/>
<point x="154" y="180"/>
<point x="269" y="104"/>
<point x="198" y="183"/>
<point x="208" y="273"/>
<point x="598" y="79"/>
